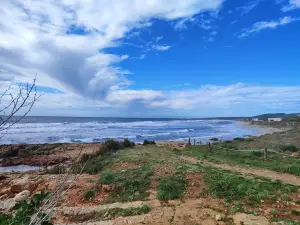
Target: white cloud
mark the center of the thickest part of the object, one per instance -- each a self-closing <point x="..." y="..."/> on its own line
<point x="293" y="4"/>
<point x="62" y="41"/>
<point x="161" y="47"/>
<point x="267" y="24"/>
<point x="232" y="96"/>
<point x="247" y="8"/>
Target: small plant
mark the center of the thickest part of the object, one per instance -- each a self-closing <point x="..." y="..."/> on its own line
<point x="146" y="142"/>
<point x="258" y="153"/>
<point x="108" y="177"/>
<point x="56" y="170"/>
<point x="24" y="210"/>
<point x="89" y="194"/>
<point x="296" y="212"/>
<point x="171" y="188"/>
<point x="297" y="202"/>
<point x="285" y="197"/>
<point x="274" y="212"/>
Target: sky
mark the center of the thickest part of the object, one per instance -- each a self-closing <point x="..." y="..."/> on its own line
<point x="153" y="58"/>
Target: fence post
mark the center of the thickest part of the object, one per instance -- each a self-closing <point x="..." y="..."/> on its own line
<point x="266" y="153"/>
<point x="209" y="146"/>
<point x="190" y="141"/>
<point x="194" y="142"/>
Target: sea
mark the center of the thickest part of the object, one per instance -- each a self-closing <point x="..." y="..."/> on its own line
<point x="35" y="130"/>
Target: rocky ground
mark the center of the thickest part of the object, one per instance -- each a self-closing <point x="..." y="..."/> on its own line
<point x="153" y="185"/>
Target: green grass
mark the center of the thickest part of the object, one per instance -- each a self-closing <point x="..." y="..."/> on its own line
<point x="116" y="212"/>
<point x="130" y="184"/>
<point x="232" y="186"/>
<point x="287" y="222"/>
<point x="89" y="194"/>
<point x="275" y="161"/>
<point x="171" y="188"/>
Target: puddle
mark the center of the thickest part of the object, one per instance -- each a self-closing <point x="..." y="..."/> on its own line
<point x="20" y="168"/>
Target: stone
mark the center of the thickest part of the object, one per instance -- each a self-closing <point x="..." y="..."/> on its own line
<point x="22" y="196"/>
<point x="218" y="217"/>
<point x="107" y="188"/>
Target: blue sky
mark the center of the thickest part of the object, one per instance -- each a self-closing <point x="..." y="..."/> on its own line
<point x="167" y="58"/>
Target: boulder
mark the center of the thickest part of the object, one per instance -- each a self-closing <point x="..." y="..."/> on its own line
<point x="22" y="196"/>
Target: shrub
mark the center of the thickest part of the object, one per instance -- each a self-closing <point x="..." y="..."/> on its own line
<point x="128" y="144"/>
<point x="258" y="153"/>
<point x="111" y="145"/>
<point x="171" y="188"/>
<point x="146" y="142"/>
<point x="108" y="177"/>
<point x="292" y="148"/>
<point x="89" y="194"/>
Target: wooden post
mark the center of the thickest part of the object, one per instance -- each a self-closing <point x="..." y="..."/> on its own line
<point x="200" y="142"/>
<point x="266" y="154"/>
<point x="209" y="146"/>
<point x="194" y="142"/>
<point x="189" y="141"/>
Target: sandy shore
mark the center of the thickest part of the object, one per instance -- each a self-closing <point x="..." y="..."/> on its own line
<point x="261" y="129"/>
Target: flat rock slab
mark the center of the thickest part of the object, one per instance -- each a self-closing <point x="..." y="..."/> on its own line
<point x="248" y="219"/>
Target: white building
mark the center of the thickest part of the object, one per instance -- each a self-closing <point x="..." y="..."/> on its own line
<point x="274" y="119"/>
<point x="255" y="119"/>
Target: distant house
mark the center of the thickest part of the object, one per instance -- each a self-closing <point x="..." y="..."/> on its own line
<point x="255" y="119"/>
<point x="274" y="119"/>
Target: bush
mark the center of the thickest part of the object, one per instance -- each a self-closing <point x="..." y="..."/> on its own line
<point x="146" y="142"/>
<point x="292" y="148"/>
<point x="89" y="194"/>
<point x="258" y="153"/>
<point x="295" y="212"/>
<point x="128" y="144"/>
<point x="111" y="145"/>
<point x="171" y="188"/>
<point x="108" y="178"/>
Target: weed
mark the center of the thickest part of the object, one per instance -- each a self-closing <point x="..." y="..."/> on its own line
<point x="128" y="144"/>
<point x="56" y="170"/>
<point x="236" y="208"/>
<point x="24" y="210"/>
<point x="296" y="212"/>
<point x="89" y="194"/>
<point x="274" y="212"/>
<point x="171" y="188"/>
<point x="285" y="197"/>
<point x="108" y="177"/>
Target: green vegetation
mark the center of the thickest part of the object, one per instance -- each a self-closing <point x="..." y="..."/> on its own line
<point x="292" y="148"/>
<point x="116" y="212"/>
<point x="108" y="178"/>
<point x="243" y="139"/>
<point x="89" y="194"/>
<point x="296" y="212"/>
<point x="24" y="210"/>
<point x="275" y="161"/>
<point x="56" y="170"/>
<point x="146" y="142"/>
<point x="130" y="184"/>
<point x="171" y="188"/>
<point x="274" y="212"/>
<point x="95" y="162"/>
<point x="232" y="186"/>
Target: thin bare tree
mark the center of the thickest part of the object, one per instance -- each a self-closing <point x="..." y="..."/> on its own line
<point x="16" y="104"/>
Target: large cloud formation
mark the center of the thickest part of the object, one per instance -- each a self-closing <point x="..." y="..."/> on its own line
<point x="62" y="41"/>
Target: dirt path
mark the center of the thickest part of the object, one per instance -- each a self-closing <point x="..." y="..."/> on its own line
<point x="283" y="177"/>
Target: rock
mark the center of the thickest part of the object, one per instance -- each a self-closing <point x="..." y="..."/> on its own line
<point x="24" y="195"/>
<point x="23" y="184"/>
<point x="7" y="204"/>
<point x="218" y="217"/>
<point x="248" y="219"/>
